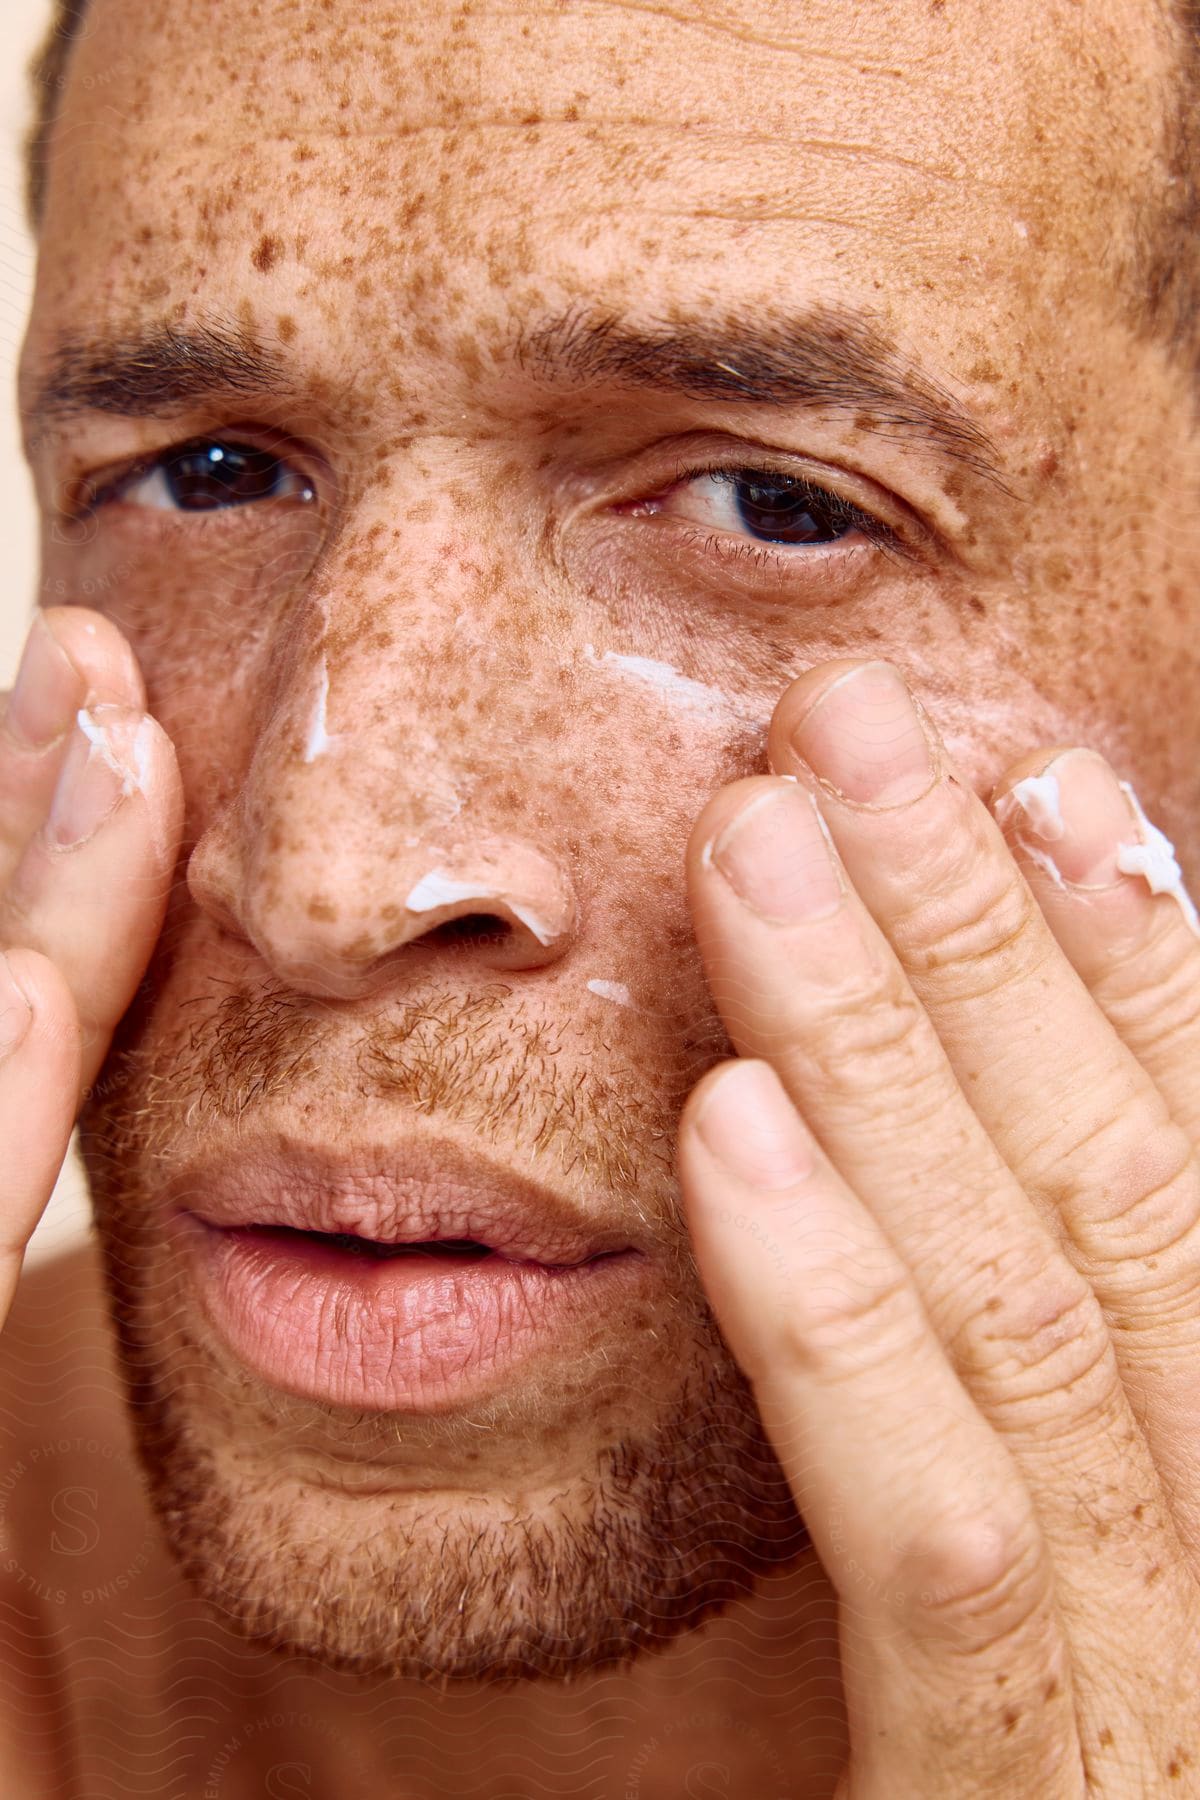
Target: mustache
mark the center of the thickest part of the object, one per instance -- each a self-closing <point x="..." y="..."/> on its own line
<point x="486" y="1059"/>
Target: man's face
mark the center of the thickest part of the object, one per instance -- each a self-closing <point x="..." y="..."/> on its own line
<point x="621" y="365"/>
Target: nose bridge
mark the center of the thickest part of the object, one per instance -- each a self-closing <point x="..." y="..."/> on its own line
<point x="384" y="807"/>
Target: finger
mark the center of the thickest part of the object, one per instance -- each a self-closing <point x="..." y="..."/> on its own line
<point x="39" y="1082"/>
<point x="72" y="658"/>
<point x="1109" y="887"/>
<point x="953" y="1657"/>
<point x="91" y="890"/>
<point x="805" y="979"/>
<point x="1078" y="1120"/>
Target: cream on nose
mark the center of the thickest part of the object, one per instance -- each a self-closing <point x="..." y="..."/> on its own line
<point x="354" y="847"/>
<point x="509" y="883"/>
<point x="344" y="927"/>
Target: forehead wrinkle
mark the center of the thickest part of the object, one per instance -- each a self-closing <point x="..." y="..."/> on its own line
<point x="734" y="28"/>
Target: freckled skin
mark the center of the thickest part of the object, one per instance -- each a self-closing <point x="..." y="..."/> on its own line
<point x="386" y="200"/>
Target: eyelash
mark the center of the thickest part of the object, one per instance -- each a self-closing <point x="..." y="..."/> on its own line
<point x="763" y="554"/>
<point x="94" y="493"/>
<point x="877" y="532"/>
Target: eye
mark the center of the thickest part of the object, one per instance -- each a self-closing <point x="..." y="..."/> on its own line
<point x="763" y="506"/>
<point x="205" y="475"/>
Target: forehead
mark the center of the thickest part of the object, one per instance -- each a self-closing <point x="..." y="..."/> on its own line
<point x="945" y="163"/>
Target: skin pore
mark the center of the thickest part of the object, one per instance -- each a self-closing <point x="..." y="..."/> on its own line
<point x="460" y="240"/>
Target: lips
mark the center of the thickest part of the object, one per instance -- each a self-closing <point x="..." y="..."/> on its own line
<point x="424" y="1194"/>
<point x="418" y="1279"/>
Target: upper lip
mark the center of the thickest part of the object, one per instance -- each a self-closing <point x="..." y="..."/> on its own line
<point x="396" y="1194"/>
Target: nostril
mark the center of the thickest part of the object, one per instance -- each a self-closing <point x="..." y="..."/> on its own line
<point x="472" y="928"/>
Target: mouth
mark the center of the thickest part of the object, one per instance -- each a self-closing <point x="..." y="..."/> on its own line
<point x="416" y="1281"/>
<point x="442" y="1249"/>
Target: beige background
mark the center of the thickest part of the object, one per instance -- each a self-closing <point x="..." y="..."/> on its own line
<point x="21" y="25"/>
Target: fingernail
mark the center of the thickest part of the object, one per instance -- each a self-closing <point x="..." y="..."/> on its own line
<point x="776" y="856"/>
<point x="16" y="1014"/>
<point x="100" y="768"/>
<point x="1086" y="828"/>
<point x="865" y="738"/>
<point x="752" y="1128"/>
<point x="47" y="690"/>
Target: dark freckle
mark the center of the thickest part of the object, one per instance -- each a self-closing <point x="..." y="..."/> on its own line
<point x="322" y="910"/>
<point x="1138" y="1510"/>
<point x="1011" y="1718"/>
<point x="285" y="325"/>
<point x="1051" y="1689"/>
<point x="266" y="253"/>
<point x="1106" y="1738"/>
<point x="993" y="1305"/>
<point x="976" y="604"/>
<point x="1153" y="1574"/>
<point x="984" y="370"/>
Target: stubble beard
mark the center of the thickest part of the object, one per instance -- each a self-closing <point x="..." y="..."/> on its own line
<point x="662" y="1525"/>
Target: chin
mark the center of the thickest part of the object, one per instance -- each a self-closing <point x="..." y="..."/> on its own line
<point x="544" y="1532"/>
<point x="497" y="1546"/>
<point x="596" y="1485"/>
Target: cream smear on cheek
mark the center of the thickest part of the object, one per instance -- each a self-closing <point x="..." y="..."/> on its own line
<point x="677" y="690"/>
<point x="616" y="991"/>
<point x="681" y="693"/>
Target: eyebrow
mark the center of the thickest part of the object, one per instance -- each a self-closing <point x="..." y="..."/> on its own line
<point x="826" y="357"/>
<point x="143" y="375"/>
<point x="823" y="358"/>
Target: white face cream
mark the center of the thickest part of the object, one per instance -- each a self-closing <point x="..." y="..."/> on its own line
<point x="677" y="690"/>
<point x="1039" y="799"/>
<point x="437" y="889"/>
<point x="1154" y="860"/>
<point x="1151" y="854"/>
<point x="319" y="739"/>
<point x="97" y="737"/>
<point x="616" y="991"/>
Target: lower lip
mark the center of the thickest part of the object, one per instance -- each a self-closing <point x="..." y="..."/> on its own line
<point x="403" y="1334"/>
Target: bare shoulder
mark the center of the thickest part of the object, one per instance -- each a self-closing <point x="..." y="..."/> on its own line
<point x="65" y="1472"/>
<point x="58" y="1371"/>
<point x="70" y="1489"/>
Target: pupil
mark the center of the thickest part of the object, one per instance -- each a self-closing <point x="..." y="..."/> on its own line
<point x="207" y="475"/>
<point x="784" y="512"/>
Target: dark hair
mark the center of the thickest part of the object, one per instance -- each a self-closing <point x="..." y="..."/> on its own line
<point x="1165" y="286"/>
<point x="1166" y="292"/>
<point x="48" y="74"/>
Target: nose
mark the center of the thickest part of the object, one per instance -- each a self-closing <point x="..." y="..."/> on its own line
<point x="347" y="853"/>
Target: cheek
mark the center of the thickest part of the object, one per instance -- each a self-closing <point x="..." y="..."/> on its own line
<point x="186" y="596"/>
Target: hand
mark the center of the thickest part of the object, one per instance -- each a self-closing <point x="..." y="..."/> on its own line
<point x="89" y="828"/>
<point x="946" y="1206"/>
